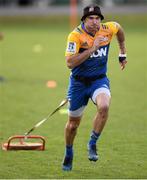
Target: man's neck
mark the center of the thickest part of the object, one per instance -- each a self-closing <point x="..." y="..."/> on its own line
<point x="88" y="31"/>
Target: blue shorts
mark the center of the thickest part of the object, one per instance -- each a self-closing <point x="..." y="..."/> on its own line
<point x="79" y="94"/>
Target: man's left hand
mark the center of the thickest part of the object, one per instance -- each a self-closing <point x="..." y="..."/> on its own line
<point x="123" y="64"/>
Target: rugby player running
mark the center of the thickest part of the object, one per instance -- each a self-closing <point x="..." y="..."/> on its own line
<point x="86" y="56"/>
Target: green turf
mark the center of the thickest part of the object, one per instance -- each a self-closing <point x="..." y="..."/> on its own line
<point x="25" y="99"/>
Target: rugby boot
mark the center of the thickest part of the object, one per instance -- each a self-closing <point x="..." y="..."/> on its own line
<point x="92" y="152"/>
<point x="67" y="163"/>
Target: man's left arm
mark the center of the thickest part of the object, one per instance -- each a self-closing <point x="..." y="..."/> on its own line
<point x="121" y="41"/>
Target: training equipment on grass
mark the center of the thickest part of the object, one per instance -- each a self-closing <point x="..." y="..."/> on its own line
<point x="48" y="116"/>
<point x="51" y="84"/>
<point x="63" y="111"/>
<point x="17" y="142"/>
<point x="37" y="48"/>
<point x="28" y="142"/>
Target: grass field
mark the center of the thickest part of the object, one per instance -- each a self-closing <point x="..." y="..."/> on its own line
<point x="25" y="99"/>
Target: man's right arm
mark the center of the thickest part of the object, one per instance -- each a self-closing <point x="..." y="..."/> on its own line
<point x="78" y="58"/>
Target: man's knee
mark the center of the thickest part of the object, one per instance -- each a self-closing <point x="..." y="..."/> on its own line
<point x="103" y="110"/>
<point x="103" y="102"/>
<point x="72" y="125"/>
<point x="104" y="107"/>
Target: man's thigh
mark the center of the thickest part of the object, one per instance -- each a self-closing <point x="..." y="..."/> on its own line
<point x="100" y="87"/>
<point x="78" y="99"/>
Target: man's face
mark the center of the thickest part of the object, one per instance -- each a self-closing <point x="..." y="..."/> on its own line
<point x="92" y="22"/>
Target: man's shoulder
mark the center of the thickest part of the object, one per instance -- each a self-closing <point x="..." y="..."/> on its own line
<point x="75" y="34"/>
<point x="77" y="31"/>
<point x="110" y="24"/>
<point x="111" y="27"/>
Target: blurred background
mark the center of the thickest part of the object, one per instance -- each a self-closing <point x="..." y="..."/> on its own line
<point x="47" y="7"/>
<point x="71" y="8"/>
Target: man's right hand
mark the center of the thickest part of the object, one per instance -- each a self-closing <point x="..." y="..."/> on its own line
<point x="96" y="43"/>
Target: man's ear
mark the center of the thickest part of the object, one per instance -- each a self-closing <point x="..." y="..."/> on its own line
<point x="84" y="20"/>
